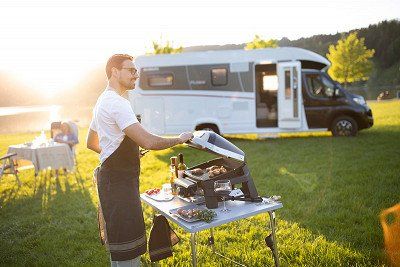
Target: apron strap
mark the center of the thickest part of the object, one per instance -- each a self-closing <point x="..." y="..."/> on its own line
<point x="100" y="218"/>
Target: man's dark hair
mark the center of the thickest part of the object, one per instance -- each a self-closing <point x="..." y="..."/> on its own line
<point x="116" y="62"/>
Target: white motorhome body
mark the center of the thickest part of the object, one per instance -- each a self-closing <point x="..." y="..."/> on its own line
<point x="230" y="91"/>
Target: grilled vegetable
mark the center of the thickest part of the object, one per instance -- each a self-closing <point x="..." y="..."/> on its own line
<point x="206" y="215"/>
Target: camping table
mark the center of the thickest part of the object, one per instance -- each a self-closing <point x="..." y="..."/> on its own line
<point x="239" y="210"/>
<point x="54" y="156"/>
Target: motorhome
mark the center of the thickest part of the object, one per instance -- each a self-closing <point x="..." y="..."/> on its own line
<point x="264" y="91"/>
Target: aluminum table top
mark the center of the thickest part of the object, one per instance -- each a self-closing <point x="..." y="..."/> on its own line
<point x="239" y="210"/>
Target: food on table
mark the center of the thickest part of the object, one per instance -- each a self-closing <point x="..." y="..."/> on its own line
<point x="212" y="168"/>
<point x="189" y="213"/>
<point x="204" y="215"/>
<point x="153" y="191"/>
<point x="197" y="171"/>
<point x="216" y="170"/>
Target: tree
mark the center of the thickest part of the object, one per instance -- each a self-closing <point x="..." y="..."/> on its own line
<point x="259" y="43"/>
<point x="350" y="60"/>
<point x="165" y="49"/>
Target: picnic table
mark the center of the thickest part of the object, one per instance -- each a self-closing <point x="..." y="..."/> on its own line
<point x="55" y="156"/>
<point x="239" y="210"/>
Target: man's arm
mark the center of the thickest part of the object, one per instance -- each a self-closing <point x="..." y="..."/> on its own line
<point x="151" y="141"/>
<point x="92" y="141"/>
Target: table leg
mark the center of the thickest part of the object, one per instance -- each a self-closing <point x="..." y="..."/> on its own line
<point x="193" y="247"/>
<point x="275" y="248"/>
<point x="211" y="240"/>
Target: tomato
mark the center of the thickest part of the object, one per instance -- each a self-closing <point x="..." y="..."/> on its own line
<point x="153" y="191"/>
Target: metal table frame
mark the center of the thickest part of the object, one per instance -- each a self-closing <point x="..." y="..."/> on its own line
<point x="239" y="210"/>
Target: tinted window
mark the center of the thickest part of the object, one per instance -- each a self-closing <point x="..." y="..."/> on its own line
<point x="288" y="89"/>
<point x="160" y="80"/>
<point x="295" y="88"/>
<point x="319" y="86"/>
<point x="219" y="77"/>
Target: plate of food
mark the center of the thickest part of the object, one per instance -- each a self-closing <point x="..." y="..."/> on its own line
<point x="194" y="213"/>
<point x="158" y="195"/>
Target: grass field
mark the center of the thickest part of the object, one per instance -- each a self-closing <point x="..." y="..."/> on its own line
<point x="333" y="190"/>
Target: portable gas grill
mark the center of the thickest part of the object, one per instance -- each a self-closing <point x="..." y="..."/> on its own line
<point x="233" y="160"/>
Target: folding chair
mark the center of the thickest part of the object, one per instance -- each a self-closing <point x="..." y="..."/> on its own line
<point x="9" y="166"/>
<point x="74" y="129"/>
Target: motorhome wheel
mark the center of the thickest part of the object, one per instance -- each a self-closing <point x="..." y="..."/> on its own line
<point x="344" y="126"/>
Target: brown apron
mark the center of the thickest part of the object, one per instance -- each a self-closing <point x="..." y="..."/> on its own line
<point x="121" y="222"/>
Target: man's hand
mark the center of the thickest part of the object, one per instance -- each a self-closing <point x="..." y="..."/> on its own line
<point x="184" y="137"/>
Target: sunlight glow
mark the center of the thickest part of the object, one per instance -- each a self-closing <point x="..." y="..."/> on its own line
<point x="270" y="83"/>
<point x="55" y="113"/>
<point x="51" y="44"/>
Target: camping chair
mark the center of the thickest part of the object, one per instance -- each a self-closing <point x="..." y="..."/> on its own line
<point x="74" y="130"/>
<point x="9" y="166"/>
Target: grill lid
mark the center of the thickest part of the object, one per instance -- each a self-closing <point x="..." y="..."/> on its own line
<point x="216" y="144"/>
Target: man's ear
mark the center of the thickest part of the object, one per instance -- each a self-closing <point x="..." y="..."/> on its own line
<point x="114" y="72"/>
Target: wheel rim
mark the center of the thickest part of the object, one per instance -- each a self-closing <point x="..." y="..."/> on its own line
<point x="344" y="128"/>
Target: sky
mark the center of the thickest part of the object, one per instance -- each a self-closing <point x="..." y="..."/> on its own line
<point x="51" y="45"/>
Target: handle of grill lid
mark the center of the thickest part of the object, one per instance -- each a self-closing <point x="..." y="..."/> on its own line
<point x="216" y="144"/>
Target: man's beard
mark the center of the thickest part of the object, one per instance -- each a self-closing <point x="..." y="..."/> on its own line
<point x="127" y="85"/>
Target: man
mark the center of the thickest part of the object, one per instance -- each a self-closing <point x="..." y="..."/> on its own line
<point x="116" y="135"/>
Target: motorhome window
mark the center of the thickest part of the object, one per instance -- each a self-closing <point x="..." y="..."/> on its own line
<point x="295" y="88"/>
<point x="158" y="80"/>
<point x="270" y="83"/>
<point x="318" y="86"/>
<point x="288" y="89"/>
<point x="329" y="86"/>
<point x="219" y="77"/>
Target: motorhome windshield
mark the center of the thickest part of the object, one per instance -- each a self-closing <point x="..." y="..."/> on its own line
<point x="331" y="81"/>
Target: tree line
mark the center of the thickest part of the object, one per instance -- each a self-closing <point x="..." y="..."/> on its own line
<point x="381" y="62"/>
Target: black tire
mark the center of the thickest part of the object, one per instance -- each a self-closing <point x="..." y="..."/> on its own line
<point x="344" y="126"/>
<point x="208" y="127"/>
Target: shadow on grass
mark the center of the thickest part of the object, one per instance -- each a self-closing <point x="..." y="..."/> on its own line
<point x="54" y="223"/>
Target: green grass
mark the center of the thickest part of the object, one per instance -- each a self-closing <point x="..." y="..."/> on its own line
<point x="333" y="190"/>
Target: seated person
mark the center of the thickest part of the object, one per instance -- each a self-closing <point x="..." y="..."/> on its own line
<point x="66" y="136"/>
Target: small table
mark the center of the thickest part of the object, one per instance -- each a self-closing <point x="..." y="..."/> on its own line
<point x="239" y="210"/>
<point x="55" y="156"/>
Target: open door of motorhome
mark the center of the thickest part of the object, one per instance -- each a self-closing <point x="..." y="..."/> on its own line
<point x="289" y="95"/>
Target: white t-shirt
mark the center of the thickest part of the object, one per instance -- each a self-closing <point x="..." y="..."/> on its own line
<point x="111" y="115"/>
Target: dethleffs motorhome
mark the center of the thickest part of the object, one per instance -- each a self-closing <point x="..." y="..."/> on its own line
<point x="237" y="91"/>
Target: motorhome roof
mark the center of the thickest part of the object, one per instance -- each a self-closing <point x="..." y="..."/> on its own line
<point x="272" y="55"/>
